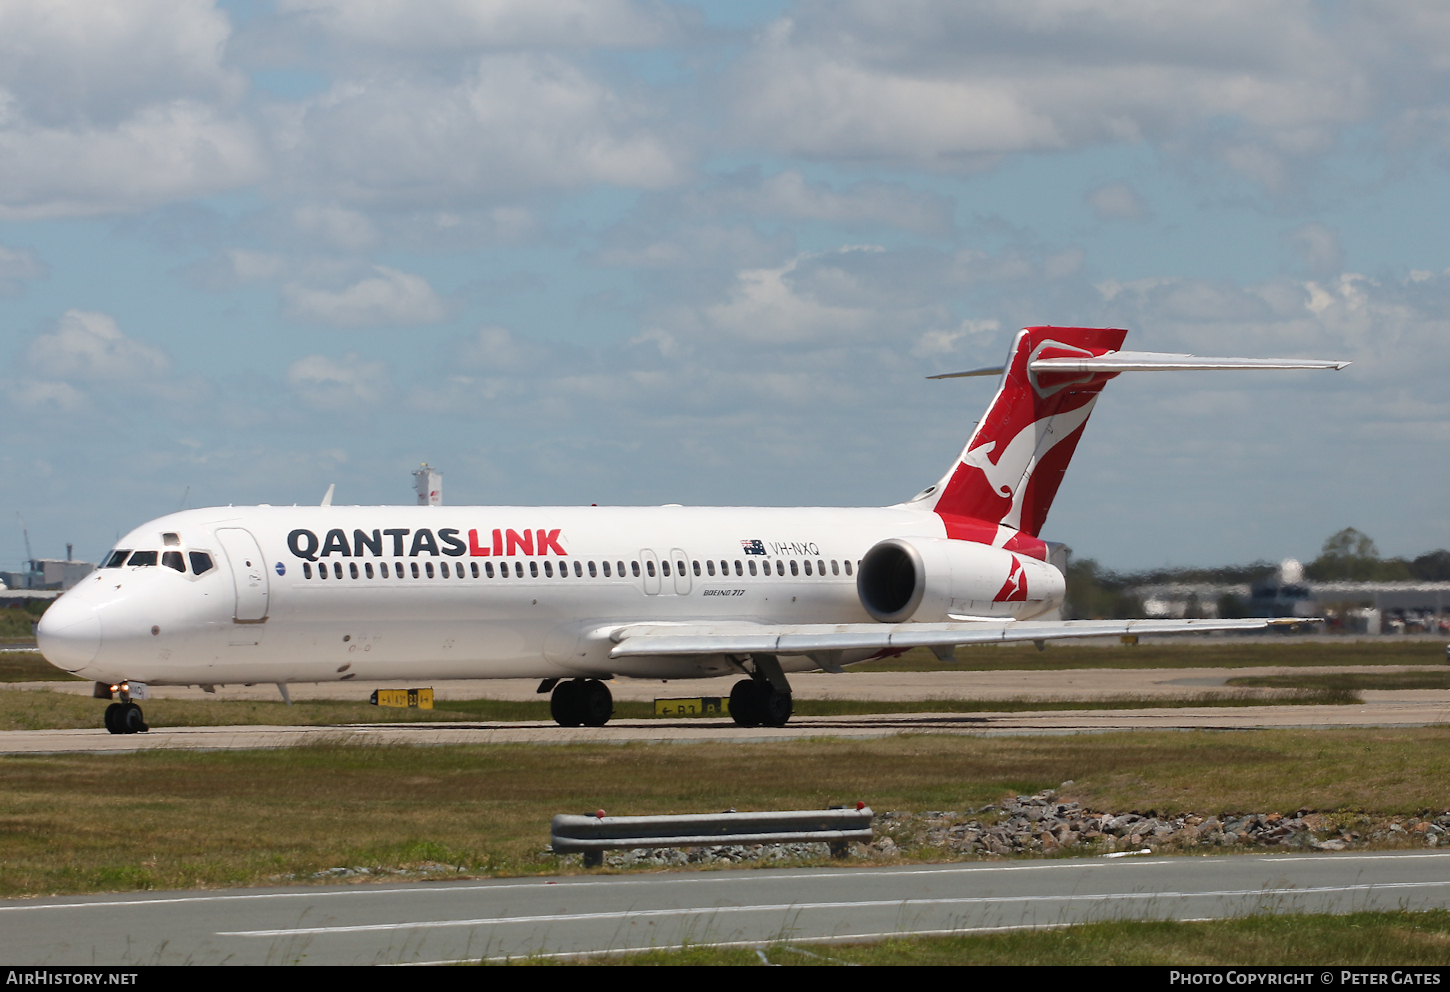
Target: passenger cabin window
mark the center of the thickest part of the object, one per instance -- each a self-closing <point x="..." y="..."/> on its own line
<point x="488" y="569"/>
<point x="173" y="559"/>
<point x="593" y="572"/>
<point x="306" y="569"/>
<point x="649" y="567"/>
<point x="548" y="570"/>
<point x="664" y="569"/>
<point x="780" y="567"/>
<point x="368" y="569"/>
<point x="807" y="564"/>
<point x="117" y="559"/>
<point x="352" y="568"/>
<point x="820" y="566"/>
<point x="143" y="558"/>
<point x="337" y="569"/>
<point x="710" y="568"/>
<point x="738" y="569"/>
<point x="848" y="567"/>
<point x="534" y="569"/>
<point x="634" y="567"/>
<point x="794" y="570"/>
<point x="415" y="568"/>
<point x="322" y="570"/>
<point x="752" y="565"/>
<point x="474" y="566"/>
<point x="835" y="567"/>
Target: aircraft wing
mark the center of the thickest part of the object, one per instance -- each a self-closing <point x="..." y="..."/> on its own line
<point x="646" y="639"/>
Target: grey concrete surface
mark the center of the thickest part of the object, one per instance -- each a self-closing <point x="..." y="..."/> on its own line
<point x="1384" y="713"/>
<point x="1069" y="684"/>
<point x="573" y="915"/>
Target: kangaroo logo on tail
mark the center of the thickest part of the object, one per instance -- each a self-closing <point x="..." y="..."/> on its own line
<point x="1014" y="590"/>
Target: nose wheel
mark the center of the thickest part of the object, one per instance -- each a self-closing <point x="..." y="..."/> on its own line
<point x="581" y="702"/>
<point x="125" y="718"/>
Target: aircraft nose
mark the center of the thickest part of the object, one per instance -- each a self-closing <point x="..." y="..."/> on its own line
<point x="69" y="634"/>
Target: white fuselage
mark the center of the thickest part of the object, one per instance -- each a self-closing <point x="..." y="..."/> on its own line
<point x="420" y="592"/>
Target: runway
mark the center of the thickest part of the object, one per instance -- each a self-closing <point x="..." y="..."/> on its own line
<point x="1391" y="713"/>
<point x="573" y="916"/>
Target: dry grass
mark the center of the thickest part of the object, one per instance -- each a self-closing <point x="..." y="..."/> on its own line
<point x="31" y="666"/>
<point x="46" y="710"/>
<point x="1199" y="652"/>
<point x="76" y="823"/>
<point x="1358" y="939"/>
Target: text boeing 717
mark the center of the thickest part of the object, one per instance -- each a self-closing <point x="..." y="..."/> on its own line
<point x="578" y="595"/>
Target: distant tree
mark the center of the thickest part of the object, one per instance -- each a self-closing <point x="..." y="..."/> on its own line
<point x="1432" y="567"/>
<point x="1351" y="555"/>
<point x="1349" y="543"/>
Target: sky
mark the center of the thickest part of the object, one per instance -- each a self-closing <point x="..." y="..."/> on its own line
<point x="620" y="252"/>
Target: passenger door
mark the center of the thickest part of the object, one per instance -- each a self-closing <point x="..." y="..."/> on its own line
<point x="249" y="574"/>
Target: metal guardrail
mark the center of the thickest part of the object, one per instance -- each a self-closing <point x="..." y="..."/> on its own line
<point x="593" y="835"/>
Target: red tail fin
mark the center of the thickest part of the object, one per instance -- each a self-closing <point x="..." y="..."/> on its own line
<point x="1012" y="465"/>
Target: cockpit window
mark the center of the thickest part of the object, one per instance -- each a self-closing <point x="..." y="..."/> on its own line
<point x="201" y="562"/>
<point x="118" y="558"/>
<point x="143" y="558"/>
<point x="173" y="559"/>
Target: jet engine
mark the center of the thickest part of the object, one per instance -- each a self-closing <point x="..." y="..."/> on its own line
<point x="932" y="579"/>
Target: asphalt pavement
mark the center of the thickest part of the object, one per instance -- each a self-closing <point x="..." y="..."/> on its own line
<point x="572" y="916"/>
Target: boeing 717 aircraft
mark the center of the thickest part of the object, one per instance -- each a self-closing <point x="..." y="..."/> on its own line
<point x="578" y="595"/>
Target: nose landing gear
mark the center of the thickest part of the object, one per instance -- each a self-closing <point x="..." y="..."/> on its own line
<point x="581" y="702"/>
<point x="125" y="718"/>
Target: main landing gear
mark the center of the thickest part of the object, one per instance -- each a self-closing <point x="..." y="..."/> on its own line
<point x="581" y="702"/>
<point x="763" y="700"/>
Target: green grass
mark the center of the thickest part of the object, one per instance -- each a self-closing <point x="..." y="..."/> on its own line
<point x="1400" y="939"/>
<point x="171" y="819"/>
<point x="1225" y="652"/>
<point x="30" y="666"/>
<point x="1350" y="681"/>
<point x="46" y="710"/>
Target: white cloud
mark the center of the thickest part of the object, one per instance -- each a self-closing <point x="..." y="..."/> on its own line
<point x="515" y="123"/>
<point x="98" y="62"/>
<point x="165" y="152"/>
<point x="46" y="397"/>
<point x="953" y="86"/>
<point x="88" y="346"/>
<point x="17" y="267"/>
<point x="117" y="105"/>
<point x="339" y="385"/>
<point x="451" y="25"/>
<point x="1117" y="201"/>
<point x="1318" y="247"/>
<point x="336" y="226"/>
<point x="863" y="204"/>
<point x="387" y="298"/>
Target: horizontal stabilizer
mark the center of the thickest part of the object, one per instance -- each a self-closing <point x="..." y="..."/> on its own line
<point x="1148" y="361"/>
<point x="645" y="640"/>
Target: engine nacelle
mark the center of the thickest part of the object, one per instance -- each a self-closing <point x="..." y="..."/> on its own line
<point x="931" y="579"/>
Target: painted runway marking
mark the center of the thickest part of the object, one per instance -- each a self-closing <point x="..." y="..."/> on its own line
<point x="802" y="906"/>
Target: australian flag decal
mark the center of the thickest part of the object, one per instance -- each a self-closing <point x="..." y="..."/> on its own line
<point x="753" y="547"/>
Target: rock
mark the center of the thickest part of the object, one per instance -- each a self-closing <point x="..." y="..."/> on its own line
<point x="886" y="846"/>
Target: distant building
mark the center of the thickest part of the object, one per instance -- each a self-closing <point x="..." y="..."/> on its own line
<point x="48" y="573"/>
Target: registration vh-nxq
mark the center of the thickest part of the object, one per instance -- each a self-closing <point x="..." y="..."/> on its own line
<point x="578" y="595"/>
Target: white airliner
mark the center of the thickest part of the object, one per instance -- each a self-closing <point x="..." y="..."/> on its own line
<point x="575" y="596"/>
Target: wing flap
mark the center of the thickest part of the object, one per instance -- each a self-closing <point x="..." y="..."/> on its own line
<point x="644" y="640"/>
